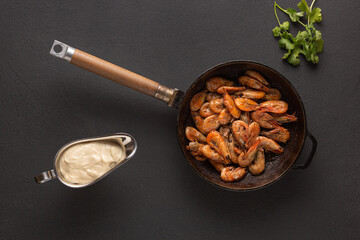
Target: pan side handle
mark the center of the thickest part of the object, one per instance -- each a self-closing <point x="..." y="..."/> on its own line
<point x="115" y="73"/>
<point x="312" y="153"/>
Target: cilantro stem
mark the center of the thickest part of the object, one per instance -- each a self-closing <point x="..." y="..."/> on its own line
<point x="278" y="6"/>
<point x="277" y="18"/>
<point x="302" y="24"/>
<point x="282" y="9"/>
<point x="312" y="4"/>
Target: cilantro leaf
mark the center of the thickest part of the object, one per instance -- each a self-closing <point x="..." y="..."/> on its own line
<point x="294" y="16"/>
<point x="319" y="41"/>
<point x="303" y="6"/>
<point x="276" y="31"/>
<point x="294" y="57"/>
<point x="315" y="15"/>
<point x="285" y="26"/>
<point x="286" y="55"/>
<point x="286" y="43"/>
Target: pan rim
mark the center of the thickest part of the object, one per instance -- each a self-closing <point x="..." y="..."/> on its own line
<point x="301" y="142"/>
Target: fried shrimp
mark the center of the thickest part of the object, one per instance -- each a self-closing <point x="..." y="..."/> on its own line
<point x="284" y="117"/>
<point x="256" y="75"/>
<point x="252" y="83"/>
<point x="231" y="174"/>
<point x="240" y="131"/>
<point x="226" y="89"/>
<point x="258" y="165"/>
<point x="245" y="116"/>
<point x="253" y="94"/>
<point x="279" y="134"/>
<point x="197" y="101"/>
<point x="216" y="141"/>
<point x="273" y="94"/>
<point x="211" y="123"/>
<point x="194" y="135"/>
<point x="224" y="117"/>
<point x="211" y="96"/>
<point x="246" y="104"/>
<point x="236" y="123"/>
<point x="244" y="160"/>
<point x="230" y="105"/>
<point x="214" y="83"/>
<point x="274" y="106"/>
<point x="208" y="152"/>
<point x="264" y="119"/>
<point x="217" y="105"/>
<point x="254" y="131"/>
<point x="195" y="150"/>
<point x="205" y="110"/>
<point x="269" y="145"/>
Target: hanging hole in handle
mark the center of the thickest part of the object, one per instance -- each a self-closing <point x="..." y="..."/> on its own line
<point x="58" y="48"/>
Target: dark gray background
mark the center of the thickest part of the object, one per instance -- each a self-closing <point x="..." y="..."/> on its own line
<point x="46" y="102"/>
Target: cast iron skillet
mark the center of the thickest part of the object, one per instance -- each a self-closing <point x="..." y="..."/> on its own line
<point x="276" y="166"/>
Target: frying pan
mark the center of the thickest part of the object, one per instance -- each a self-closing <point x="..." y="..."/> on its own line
<point x="276" y="165"/>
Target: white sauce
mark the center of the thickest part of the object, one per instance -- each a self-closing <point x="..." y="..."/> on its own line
<point x="83" y="163"/>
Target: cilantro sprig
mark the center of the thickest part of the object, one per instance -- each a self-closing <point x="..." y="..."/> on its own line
<point x="308" y="42"/>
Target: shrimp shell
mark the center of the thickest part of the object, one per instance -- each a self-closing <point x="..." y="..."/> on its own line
<point x="246" y="104"/>
<point x="205" y="110"/>
<point x="252" y="83"/>
<point x="244" y="160"/>
<point x="279" y="134"/>
<point x="264" y="119"/>
<point x="194" y="135"/>
<point x="195" y="150"/>
<point x="231" y="174"/>
<point x="256" y="75"/>
<point x="197" y="101"/>
<point x="217" y="105"/>
<point x="225" y="132"/>
<point x="254" y="131"/>
<point x="240" y="131"/>
<point x="224" y="117"/>
<point x="214" y="83"/>
<point x="208" y="152"/>
<point x="216" y="141"/>
<point x="245" y="116"/>
<point x="232" y="148"/>
<point x="269" y="145"/>
<point x="227" y="89"/>
<point x="273" y="94"/>
<point x="211" y="123"/>
<point x="253" y="94"/>
<point x="284" y="117"/>
<point x="230" y="105"/>
<point x="274" y="106"/>
<point x="258" y="165"/>
<point x="218" y="166"/>
<point x="199" y="121"/>
<point x="211" y="96"/>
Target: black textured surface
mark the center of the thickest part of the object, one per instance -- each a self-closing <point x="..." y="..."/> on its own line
<point x="46" y="103"/>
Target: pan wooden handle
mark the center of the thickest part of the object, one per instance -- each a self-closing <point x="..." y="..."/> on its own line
<point x="114" y="72"/>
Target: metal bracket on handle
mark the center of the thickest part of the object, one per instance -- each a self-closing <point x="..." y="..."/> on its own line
<point x="62" y="50"/>
<point x="168" y="95"/>
<point x="45" y="176"/>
